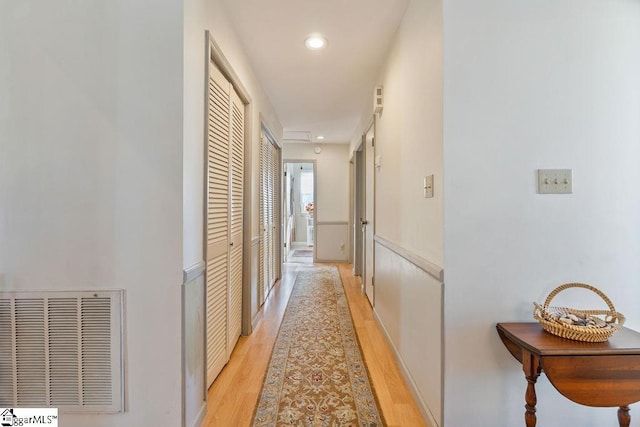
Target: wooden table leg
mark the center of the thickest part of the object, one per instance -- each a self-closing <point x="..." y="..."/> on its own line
<point x="531" y="368"/>
<point x="624" y="419"/>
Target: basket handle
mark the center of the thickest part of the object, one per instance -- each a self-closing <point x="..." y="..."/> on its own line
<point x="561" y="288"/>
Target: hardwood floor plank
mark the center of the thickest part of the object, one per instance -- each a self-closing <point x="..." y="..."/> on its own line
<point x="233" y="396"/>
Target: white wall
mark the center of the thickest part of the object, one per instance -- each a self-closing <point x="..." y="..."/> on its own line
<point x="409" y="135"/>
<point x="194" y="351"/>
<point x="202" y="15"/>
<point x="528" y="85"/>
<point x="409" y="138"/>
<point x="91" y="174"/>
<point x="332" y="190"/>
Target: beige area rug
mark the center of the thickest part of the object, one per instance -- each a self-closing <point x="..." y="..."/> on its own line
<point x="316" y="376"/>
<point x="303" y="252"/>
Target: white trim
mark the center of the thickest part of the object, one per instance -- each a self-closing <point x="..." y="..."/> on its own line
<point x="217" y="56"/>
<point x="190" y="274"/>
<point x="422" y="405"/>
<point x="255" y="241"/>
<point x="315" y="201"/>
<point x="425" y="265"/>
<point x="201" y="414"/>
<point x="257" y="318"/>
<point x="333" y="261"/>
<point x="269" y="133"/>
<point x="332" y="223"/>
<point x="193" y="272"/>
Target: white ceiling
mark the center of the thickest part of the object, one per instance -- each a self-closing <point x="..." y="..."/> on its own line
<point x="317" y="92"/>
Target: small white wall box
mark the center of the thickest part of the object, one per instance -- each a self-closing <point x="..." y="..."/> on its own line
<point x="377" y="100"/>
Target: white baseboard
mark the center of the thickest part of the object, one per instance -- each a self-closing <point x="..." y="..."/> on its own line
<point x="422" y="405"/>
<point x="201" y="414"/>
<point x="256" y="319"/>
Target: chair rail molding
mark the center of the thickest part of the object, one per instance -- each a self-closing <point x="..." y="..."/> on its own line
<point x="193" y="272"/>
<point x="427" y="266"/>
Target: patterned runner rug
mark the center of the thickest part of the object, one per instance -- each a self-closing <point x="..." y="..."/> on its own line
<point x="316" y="376"/>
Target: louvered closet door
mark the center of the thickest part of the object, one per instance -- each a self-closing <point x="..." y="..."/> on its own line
<point x="263" y="267"/>
<point x="217" y="222"/>
<point x="269" y="221"/>
<point x="272" y="215"/>
<point x="275" y="220"/>
<point x="268" y="215"/>
<point x="236" y="206"/>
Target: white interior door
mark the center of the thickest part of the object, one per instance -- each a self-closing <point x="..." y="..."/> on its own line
<point x="369" y="221"/>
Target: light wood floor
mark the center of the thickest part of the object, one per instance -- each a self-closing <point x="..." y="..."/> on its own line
<point x="234" y="395"/>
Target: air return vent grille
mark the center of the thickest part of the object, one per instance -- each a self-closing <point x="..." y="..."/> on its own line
<point x="62" y="349"/>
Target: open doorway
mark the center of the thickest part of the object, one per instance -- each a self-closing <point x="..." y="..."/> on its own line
<point x="299" y="211"/>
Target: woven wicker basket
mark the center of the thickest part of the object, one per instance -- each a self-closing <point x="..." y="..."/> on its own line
<point x="608" y="321"/>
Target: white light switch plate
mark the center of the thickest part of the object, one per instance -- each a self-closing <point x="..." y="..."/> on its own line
<point x="555" y="181"/>
<point x="428" y="186"/>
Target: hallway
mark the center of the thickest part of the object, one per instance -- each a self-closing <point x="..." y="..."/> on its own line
<point x="233" y="396"/>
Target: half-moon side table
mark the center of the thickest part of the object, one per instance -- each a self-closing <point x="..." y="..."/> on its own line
<point x="605" y="374"/>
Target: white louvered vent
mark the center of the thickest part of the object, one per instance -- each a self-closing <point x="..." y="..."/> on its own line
<point x="62" y="349"/>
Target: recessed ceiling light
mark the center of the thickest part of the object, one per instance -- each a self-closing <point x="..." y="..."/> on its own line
<point x="320" y="137"/>
<point x="315" y="42"/>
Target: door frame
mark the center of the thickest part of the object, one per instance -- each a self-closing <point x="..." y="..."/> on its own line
<point x="315" y="203"/>
<point x="370" y="217"/>
<point x="358" y="209"/>
<point x="361" y="161"/>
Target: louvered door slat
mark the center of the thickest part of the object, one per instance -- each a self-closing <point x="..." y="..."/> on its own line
<point x="275" y="220"/>
<point x="218" y="163"/>
<point x="217" y="131"/>
<point x="268" y="212"/>
<point x="270" y="217"/>
<point x="263" y="201"/>
<point x="276" y="213"/>
<point x="236" y="173"/>
<point x="237" y="168"/>
<point x="235" y="308"/>
<point x="269" y="162"/>
<point x="216" y="315"/>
